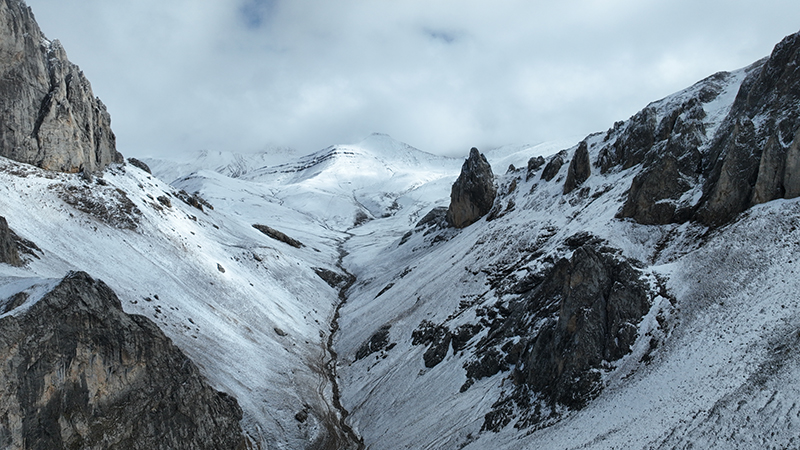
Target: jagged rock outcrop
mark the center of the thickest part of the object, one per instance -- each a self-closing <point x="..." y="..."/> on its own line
<point x="602" y="300"/>
<point x="77" y="372"/>
<point x="579" y="168"/>
<point x="669" y="150"/>
<point x="556" y="335"/>
<point x="49" y="116"/>
<point x="553" y="166"/>
<point x="755" y="156"/>
<point x="140" y="164"/>
<point x="8" y="245"/>
<point x="533" y="165"/>
<point x="473" y="193"/>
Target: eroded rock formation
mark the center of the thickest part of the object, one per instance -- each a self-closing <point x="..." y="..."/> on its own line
<point x="473" y="193"/>
<point x="579" y="168"/>
<point x="49" y="116"/>
<point x="755" y="156"/>
<point x="77" y="372"/>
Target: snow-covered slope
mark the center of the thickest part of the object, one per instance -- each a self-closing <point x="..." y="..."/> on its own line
<point x="711" y="356"/>
<point x="230" y="164"/>
<point x="248" y="309"/>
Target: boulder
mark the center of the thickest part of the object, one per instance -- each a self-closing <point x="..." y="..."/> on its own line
<point x="140" y="164"/>
<point x="49" y="116"/>
<point x="78" y="372"/>
<point x="473" y="193"/>
<point x="533" y="165"/>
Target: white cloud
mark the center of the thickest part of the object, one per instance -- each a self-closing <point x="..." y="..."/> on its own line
<point x="182" y="75"/>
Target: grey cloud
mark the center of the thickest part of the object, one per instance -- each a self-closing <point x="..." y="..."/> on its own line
<point x="182" y="75"/>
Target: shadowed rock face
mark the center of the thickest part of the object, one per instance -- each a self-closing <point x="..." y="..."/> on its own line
<point x="8" y="245"/>
<point x="77" y="372"/>
<point x="473" y="193"/>
<point x="755" y="156"/>
<point x="602" y="300"/>
<point x="669" y="152"/>
<point x="579" y="168"/>
<point x="49" y="116"/>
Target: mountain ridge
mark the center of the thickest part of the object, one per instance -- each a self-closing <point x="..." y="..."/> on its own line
<point x="339" y="309"/>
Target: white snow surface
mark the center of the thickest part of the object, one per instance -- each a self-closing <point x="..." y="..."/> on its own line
<point x="724" y="375"/>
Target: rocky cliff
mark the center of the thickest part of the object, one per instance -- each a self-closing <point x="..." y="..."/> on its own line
<point x="77" y="372"/>
<point x="473" y="193"/>
<point x="755" y="155"/>
<point x="49" y="116"/>
<point x="751" y="157"/>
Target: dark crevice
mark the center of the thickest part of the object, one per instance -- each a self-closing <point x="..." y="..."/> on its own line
<point x="330" y="366"/>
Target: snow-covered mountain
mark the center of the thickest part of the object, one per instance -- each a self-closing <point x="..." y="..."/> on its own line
<point x="633" y="289"/>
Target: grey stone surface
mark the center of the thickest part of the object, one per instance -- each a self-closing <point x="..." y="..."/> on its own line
<point x="8" y="245"/>
<point x="473" y="193"/>
<point x="49" y="116"/>
<point x="579" y="168"/>
<point x="78" y="373"/>
<point x="755" y="155"/>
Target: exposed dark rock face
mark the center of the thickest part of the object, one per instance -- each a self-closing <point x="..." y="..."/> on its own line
<point x="551" y="169"/>
<point x="533" y="165"/>
<point x="278" y="236"/>
<point x="49" y="116"/>
<point x="77" y="372"/>
<point x="579" y="168"/>
<point x="564" y="325"/>
<point x="669" y="151"/>
<point x="602" y="300"/>
<point x="755" y="156"/>
<point x="8" y="245"/>
<point x="436" y="337"/>
<point x="137" y="163"/>
<point x="654" y="194"/>
<point x="473" y="193"/>
<point x="377" y="342"/>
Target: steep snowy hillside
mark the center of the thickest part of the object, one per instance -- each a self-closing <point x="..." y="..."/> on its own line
<point x="526" y="330"/>
<point x="635" y="289"/>
<point x="248" y="309"/>
<point x="230" y="164"/>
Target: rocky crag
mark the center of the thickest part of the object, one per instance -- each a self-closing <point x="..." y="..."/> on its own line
<point x="49" y="116"/>
<point x="473" y="193"/>
<point x="77" y="372"/>
<point x="751" y="157"/>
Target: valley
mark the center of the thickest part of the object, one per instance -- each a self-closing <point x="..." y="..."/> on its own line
<point x="633" y="288"/>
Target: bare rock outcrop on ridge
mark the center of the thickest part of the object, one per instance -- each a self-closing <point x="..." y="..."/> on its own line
<point x="755" y="156"/>
<point x="473" y="193"/>
<point x="49" y="116"/>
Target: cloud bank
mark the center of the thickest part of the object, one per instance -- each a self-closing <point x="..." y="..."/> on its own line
<point x="443" y="76"/>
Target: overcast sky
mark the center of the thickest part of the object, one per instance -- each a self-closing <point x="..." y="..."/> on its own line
<point x="443" y="76"/>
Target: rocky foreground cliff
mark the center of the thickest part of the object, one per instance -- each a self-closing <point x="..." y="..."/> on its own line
<point x="49" y="116"/>
<point x="77" y="372"/>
